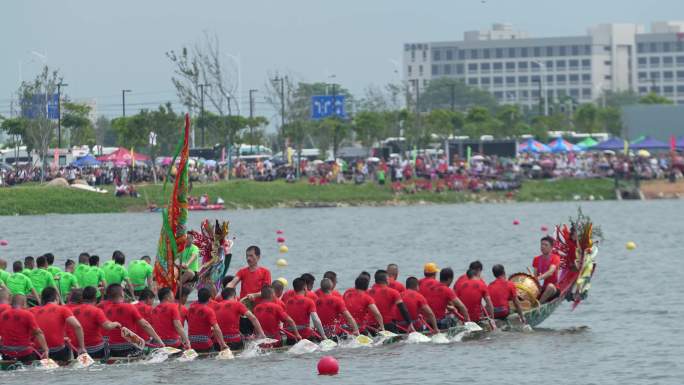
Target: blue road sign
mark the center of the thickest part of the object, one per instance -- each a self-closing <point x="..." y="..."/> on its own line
<point x="323" y="106"/>
<point x="35" y="107"/>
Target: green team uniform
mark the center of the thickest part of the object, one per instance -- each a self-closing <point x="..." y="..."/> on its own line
<point x="67" y="281"/>
<point x="54" y="270"/>
<point x="114" y="273"/>
<point x="187" y="254"/>
<point x="3" y="276"/>
<point x="93" y="277"/>
<point x="138" y="272"/>
<point x="18" y="283"/>
<point x="27" y="272"/>
<point x="41" y="278"/>
<point x="79" y="272"/>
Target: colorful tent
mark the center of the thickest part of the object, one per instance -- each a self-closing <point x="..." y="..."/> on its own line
<point x="562" y="145"/>
<point x="85" y="161"/>
<point x="614" y="144"/>
<point x="587" y="143"/>
<point x="648" y="143"/>
<point x="122" y="157"/>
<point x="531" y="145"/>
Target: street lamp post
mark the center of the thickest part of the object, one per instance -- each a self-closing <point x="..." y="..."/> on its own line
<point x="281" y="80"/>
<point x="543" y="84"/>
<point x="251" y="117"/>
<point x="59" y="113"/>
<point x="202" y="86"/>
<point x="123" y="101"/>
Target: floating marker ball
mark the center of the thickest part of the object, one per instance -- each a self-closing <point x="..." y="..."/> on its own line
<point x="630" y="245"/>
<point x="328" y="366"/>
<point x="279" y="232"/>
<point x="3" y="242"/>
<point x="544" y="229"/>
<point x="516" y="222"/>
<point x="280" y="239"/>
<point x="283" y="281"/>
<point x="283" y="249"/>
<point x="282" y="262"/>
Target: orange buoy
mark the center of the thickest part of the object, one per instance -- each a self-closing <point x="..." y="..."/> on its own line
<point x="328" y="366"/>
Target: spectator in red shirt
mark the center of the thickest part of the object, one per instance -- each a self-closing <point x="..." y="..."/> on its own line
<point x="166" y="320"/>
<point x="417" y="306"/>
<point x="18" y="330"/>
<point x="202" y="325"/>
<point x="546" y="269"/>
<point x="502" y="292"/>
<point x="302" y="310"/>
<point x="388" y="300"/>
<point x="471" y="293"/>
<point x="228" y="313"/>
<point x="53" y="320"/>
<point x="361" y="305"/>
<point x="93" y="321"/>
<point x="393" y="273"/>
<point x="271" y="315"/>
<point x="331" y="309"/>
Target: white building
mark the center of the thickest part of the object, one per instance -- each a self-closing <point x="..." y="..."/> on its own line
<point x="515" y="67"/>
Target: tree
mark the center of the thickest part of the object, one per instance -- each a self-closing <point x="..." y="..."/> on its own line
<point x="511" y="119"/>
<point x="478" y="122"/>
<point x="587" y="118"/>
<point x="611" y="120"/>
<point x="104" y="134"/>
<point x="654" y="98"/>
<point x="330" y="133"/>
<point x="438" y="95"/>
<point x="80" y="128"/>
<point x="16" y="129"/>
<point x="369" y="127"/>
<point x="619" y="98"/>
<point x="40" y="129"/>
<point x="442" y="123"/>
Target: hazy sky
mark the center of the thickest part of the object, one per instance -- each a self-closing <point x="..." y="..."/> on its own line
<point x="103" y="46"/>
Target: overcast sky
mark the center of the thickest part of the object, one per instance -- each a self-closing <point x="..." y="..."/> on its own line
<point x="103" y="46"/>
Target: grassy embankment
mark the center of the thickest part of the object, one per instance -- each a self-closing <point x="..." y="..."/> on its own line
<point x="35" y="199"/>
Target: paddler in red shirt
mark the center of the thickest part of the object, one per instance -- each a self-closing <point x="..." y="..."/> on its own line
<point x="389" y="303"/>
<point x="417" y="306"/>
<point x="475" y="266"/>
<point x="331" y="309"/>
<point x="309" y="281"/>
<point x="203" y="329"/>
<point x="93" y="321"/>
<point x="228" y="313"/>
<point x="441" y="298"/>
<point x="332" y="276"/>
<point x="393" y="273"/>
<point x="503" y="291"/>
<point x="129" y="317"/>
<point x="271" y="316"/>
<point x="430" y="271"/>
<point x="471" y="293"/>
<point x="302" y="310"/>
<point x="361" y="305"/>
<point x="4" y="300"/>
<point x="18" y="330"/>
<point x="253" y="277"/>
<point x="546" y="269"/>
<point x="144" y="306"/>
<point x="166" y="320"/>
<point x="53" y="320"/>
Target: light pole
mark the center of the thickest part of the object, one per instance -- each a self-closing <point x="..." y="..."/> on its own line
<point x="542" y="83"/>
<point x="281" y="80"/>
<point x="59" y="113"/>
<point x="202" y="86"/>
<point x="251" y="118"/>
<point x="123" y="101"/>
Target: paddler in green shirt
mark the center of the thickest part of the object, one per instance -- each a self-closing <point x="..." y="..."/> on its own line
<point x="94" y="276"/>
<point x="54" y="270"/>
<point x="41" y="277"/>
<point x="3" y="272"/>
<point x="29" y="265"/>
<point x="82" y="268"/>
<point x="18" y="283"/>
<point x="189" y="261"/>
<point x="67" y="280"/>
<point x="115" y="271"/>
<point x="140" y="274"/>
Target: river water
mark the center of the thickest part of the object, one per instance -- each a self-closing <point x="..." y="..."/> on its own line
<point x="627" y="332"/>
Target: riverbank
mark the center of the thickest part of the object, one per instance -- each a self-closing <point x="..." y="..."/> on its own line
<point x="37" y="200"/>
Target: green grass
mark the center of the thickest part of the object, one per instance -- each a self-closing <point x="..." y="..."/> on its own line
<point x="35" y="199"/>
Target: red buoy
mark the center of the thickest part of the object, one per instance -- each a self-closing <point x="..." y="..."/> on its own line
<point x="544" y="229"/>
<point x="3" y="242"/>
<point x="279" y="232"/>
<point x="280" y="239"/>
<point x="516" y="222"/>
<point x="328" y="366"/>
